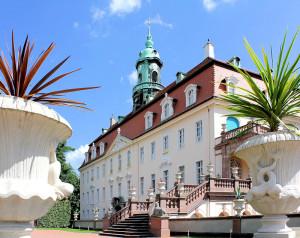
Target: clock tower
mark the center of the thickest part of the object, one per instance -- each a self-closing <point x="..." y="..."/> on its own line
<point x="148" y="68"/>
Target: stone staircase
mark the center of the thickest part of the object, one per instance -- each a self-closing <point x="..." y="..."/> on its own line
<point x="134" y="226"/>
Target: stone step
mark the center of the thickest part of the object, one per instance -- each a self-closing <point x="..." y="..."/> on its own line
<point x="126" y="232"/>
<point x="119" y="225"/>
<point x="138" y="229"/>
<point x="124" y="235"/>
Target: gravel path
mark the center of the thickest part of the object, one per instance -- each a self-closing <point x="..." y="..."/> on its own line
<point x="61" y="234"/>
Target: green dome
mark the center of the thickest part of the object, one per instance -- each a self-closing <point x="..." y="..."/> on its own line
<point x="148" y="53"/>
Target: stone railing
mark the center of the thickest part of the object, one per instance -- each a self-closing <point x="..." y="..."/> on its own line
<point x="120" y="215"/>
<point x="172" y="192"/>
<point x="139" y="207"/>
<point x="251" y="128"/>
<point x="196" y="195"/>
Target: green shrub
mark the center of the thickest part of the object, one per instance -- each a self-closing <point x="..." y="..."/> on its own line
<point x="59" y="216"/>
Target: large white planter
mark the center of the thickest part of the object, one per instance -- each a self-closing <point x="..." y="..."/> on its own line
<point x="29" y="171"/>
<point x="273" y="159"/>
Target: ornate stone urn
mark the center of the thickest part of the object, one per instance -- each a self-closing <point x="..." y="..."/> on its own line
<point x="75" y="216"/>
<point x="273" y="160"/>
<point x="235" y="172"/>
<point x="180" y="188"/>
<point x="150" y="194"/>
<point x="161" y="187"/>
<point x="210" y="169"/>
<point x="178" y="176"/>
<point x="239" y="206"/>
<point x="132" y="192"/>
<point x="29" y="171"/>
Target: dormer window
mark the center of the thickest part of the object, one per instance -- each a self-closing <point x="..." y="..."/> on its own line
<point x="167" y="107"/>
<point x="102" y="147"/>
<point x="148" y="120"/>
<point x="231" y="83"/>
<point x="86" y="157"/>
<point x="190" y="94"/>
<point x="94" y="151"/>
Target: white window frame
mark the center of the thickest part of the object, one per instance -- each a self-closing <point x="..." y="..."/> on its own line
<point x="128" y="158"/>
<point x="153" y="181"/>
<point x="233" y="81"/>
<point x="82" y="180"/>
<point x="142" y="186"/>
<point x="128" y="184"/>
<point x="111" y="168"/>
<point x="92" y="197"/>
<point x="111" y="192"/>
<point x="199" y="170"/>
<point x="87" y="177"/>
<point x="153" y="150"/>
<point x="165" y="144"/>
<point x="148" y="120"/>
<point x="119" y="162"/>
<point x="166" y="102"/>
<point x="103" y="170"/>
<point x="87" y="197"/>
<point x="82" y="199"/>
<point x="102" y="147"/>
<point x="182" y="172"/>
<point x="199" y="137"/>
<point x="98" y="172"/>
<point x="86" y="157"/>
<point x="190" y="94"/>
<point x="142" y="155"/>
<point x="181" y="138"/>
<point x="166" y="178"/>
<point x="103" y="194"/>
<point x="119" y="189"/>
<point x="98" y="196"/>
<point x="94" y="151"/>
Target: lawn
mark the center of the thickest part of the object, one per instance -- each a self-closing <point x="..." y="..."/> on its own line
<point x="69" y="229"/>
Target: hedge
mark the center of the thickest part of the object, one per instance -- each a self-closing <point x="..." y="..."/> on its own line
<point x="59" y="216"/>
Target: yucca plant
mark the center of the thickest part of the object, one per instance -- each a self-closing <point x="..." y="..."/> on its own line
<point x="20" y="75"/>
<point x="281" y="97"/>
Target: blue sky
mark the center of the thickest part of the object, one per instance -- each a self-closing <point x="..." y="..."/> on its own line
<point x="105" y="37"/>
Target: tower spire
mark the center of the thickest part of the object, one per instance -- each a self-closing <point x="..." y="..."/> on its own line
<point x="149" y="42"/>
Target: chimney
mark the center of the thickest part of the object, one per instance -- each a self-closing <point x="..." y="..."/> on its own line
<point x="209" y="50"/>
<point x="112" y="121"/>
<point x="180" y="76"/>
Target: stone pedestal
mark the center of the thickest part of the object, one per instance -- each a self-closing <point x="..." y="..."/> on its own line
<point x="105" y="224"/>
<point x="275" y="226"/>
<point x="159" y="226"/>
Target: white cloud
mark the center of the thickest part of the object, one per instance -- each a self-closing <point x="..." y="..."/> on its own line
<point x="209" y="5"/>
<point x="129" y="100"/>
<point x="121" y="7"/>
<point x="76" y="157"/>
<point x="75" y="24"/>
<point x="157" y="20"/>
<point x="228" y="1"/>
<point x="94" y="33"/>
<point x="97" y="14"/>
<point x="121" y="79"/>
<point x="133" y="77"/>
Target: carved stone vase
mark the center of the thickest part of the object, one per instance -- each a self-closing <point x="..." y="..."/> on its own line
<point x="239" y="206"/>
<point x="29" y="171"/>
<point x="273" y="159"/>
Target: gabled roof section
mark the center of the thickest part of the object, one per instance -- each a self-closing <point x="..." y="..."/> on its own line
<point x="119" y="143"/>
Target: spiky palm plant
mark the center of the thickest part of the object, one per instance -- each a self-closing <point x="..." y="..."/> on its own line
<point x="19" y="75"/>
<point x="282" y="95"/>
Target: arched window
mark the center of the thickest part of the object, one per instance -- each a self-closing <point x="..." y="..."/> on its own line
<point x="166" y="110"/>
<point x="128" y="158"/>
<point x="154" y="76"/>
<point x="148" y="120"/>
<point x="140" y="77"/>
<point x="231" y="88"/>
<point x="191" y="96"/>
<point x="232" y="123"/>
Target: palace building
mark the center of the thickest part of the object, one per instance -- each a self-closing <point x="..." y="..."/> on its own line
<point x="179" y="127"/>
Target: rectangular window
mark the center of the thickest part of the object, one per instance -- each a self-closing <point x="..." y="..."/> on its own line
<point x="153" y="182"/>
<point x="103" y="170"/>
<point x="92" y="197"/>
<point x="119" y="162"/>
<point x="82" y="199"/>
<point x="128" y="187"/>
<point x="142" y="185"/>
<point x="181" y="138"/>
<point x="103" y="194"/>
<point x="111" y="166"/>
<point x="92" y="175"/>
<point x="111" y="192"/>
<point x="88" y="214"/>
<point x="87" y="177"/>
<point x="199" y="131"/>
<point x="97" y="172"/>
<point x="182" y="170"/>
<point x="153" y="149"/>
<point x="82" y="178"/>
<point x="128" y="158"/>
<point x="119" y="189"/>
<point x="142" y="155"/>
<point x="87" y="198"/>
<point x="199" y="170"/>
<point x="98" y="196"/>
<point x="166" y="178"/>
<point x="165" y="144"/>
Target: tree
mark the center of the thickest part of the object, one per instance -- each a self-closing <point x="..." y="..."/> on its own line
<point x="68" y="175"/>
